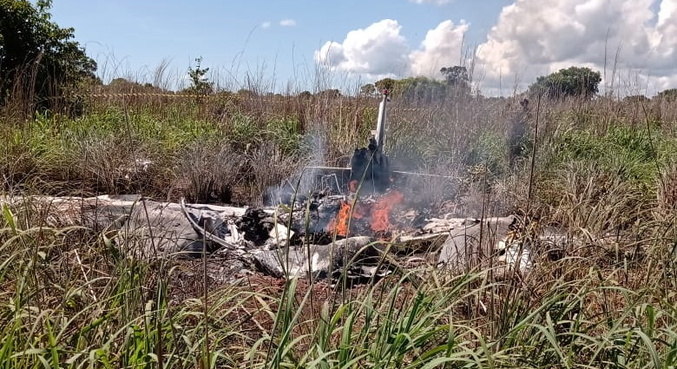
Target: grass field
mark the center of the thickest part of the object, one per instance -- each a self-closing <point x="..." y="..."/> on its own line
<point x="603" y="171"/>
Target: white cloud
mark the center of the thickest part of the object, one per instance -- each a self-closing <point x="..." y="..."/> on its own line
<point x="531" y="38"/>
<point x="265" y="25"/>
<point x="440" y="48"/>
<point x="378" y="50"/>
<point x="536" y="37"/>
<point x="436" y="2"/>
<point x="287" y="23"/>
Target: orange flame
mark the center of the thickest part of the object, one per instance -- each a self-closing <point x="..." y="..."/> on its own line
<point x="340" y="223"/>
<point x="380" y="212"/>
<point x="377" y="214"/>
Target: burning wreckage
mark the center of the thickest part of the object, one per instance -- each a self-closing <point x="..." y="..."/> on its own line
<point x="362" y="226"/>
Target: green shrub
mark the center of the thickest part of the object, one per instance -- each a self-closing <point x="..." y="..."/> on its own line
<point x="244" y="130"/>
<point x="629" y="153"/>
<point x="489" y="151"/>
<point x="286" y="133"/>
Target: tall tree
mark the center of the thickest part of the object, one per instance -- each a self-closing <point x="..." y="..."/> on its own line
<point x="668" y="95"/>
<point x="36" y="55"/>
<point x="572" y="81"/>
<point x="385" y="84"/>
<point x="456" y="75"/>
<point x="368" y="90"/>
<point x="458" y="79"/>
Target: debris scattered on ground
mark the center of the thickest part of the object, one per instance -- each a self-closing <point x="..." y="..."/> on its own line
<point x="306" y="240"/>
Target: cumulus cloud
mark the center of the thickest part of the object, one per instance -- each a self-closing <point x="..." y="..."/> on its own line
<point x="381" y="50"/>
<point x="377" y="50"/>
<point x="536" y="37"/>
<point x="287" y="23"/>
<point x="530" y="38"/>
<point x="442" y="47"/>
<point x="436" y="2"/>
<point x="265" y="25"/>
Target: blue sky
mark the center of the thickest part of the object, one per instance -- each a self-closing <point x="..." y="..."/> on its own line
<point x="398" y="37"/>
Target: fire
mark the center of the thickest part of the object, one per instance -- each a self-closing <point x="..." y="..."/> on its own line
<point x="380" y="213"/>
<point x="342" y="219"/>
<point x="377" y="214"/>
<point x="340" y="223"/>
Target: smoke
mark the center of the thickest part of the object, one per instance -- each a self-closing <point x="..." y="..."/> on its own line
<point x="305" y="181"/>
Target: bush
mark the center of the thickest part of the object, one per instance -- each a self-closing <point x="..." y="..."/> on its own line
<point x="489" y="152"/>
<point x="625" y="151"/>
<point x="113" y="165"/>
<point x="245" y="130"/>
<point x="286" y="133"/>
<point x="208" y="172"/>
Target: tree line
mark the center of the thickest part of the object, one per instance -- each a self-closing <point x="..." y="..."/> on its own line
<point x="39" y="59"/>
<point x="569" y="82"/>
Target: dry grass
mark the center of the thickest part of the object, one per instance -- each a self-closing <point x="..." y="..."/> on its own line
<point x="604" y="175"/>
<point x="208" y="173"/>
